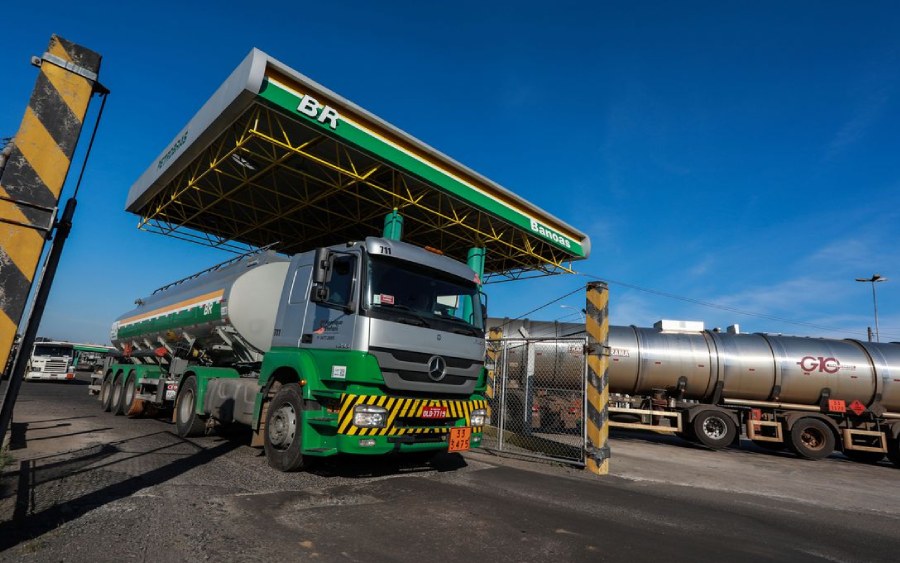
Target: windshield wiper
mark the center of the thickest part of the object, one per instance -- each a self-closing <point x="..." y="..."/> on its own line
<point x="467" y="330"/>
<point x="418" y="320"/>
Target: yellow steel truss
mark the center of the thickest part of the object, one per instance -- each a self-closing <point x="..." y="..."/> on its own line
<point x="269" y="179"/>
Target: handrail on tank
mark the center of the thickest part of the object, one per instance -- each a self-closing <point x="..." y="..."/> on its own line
<point x="230" y="261"/>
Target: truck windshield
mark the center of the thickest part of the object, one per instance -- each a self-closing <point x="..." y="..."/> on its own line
<point x="51" y="350"/>
<point x="404" y="292"/>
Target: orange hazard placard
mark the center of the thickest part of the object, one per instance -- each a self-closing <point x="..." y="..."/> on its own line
<point x="837" y="405"/>
<point x="459" y="439"/>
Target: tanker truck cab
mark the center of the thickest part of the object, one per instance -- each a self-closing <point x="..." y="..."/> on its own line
<point x="368" y="348"/>
<point x="378" y="347"/>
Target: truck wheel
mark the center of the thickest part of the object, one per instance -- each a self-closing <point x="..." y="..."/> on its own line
<point x="115" y="405"/>
<point x="812" y="439"/>
<point x="863" y="457"/>
<point x="106" y="394"/>
<point x="187" y="422"/>
<point x="282" y="434"/>
<point x="128" y="389"/>
<point x="714" y="429"/>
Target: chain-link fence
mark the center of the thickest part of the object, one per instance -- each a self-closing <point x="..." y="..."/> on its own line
<point x="538" y="394"/>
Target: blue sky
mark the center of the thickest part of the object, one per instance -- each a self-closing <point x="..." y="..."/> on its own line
<point x="743" y="155"/>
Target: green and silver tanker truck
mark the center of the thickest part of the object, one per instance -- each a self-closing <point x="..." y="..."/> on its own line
<point x="370" y="347"/>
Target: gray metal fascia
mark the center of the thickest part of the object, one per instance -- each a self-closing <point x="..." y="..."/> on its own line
<point x="228" y="101"/>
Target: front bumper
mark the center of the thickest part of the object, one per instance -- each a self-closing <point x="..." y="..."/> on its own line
<point x="406" y="429"/>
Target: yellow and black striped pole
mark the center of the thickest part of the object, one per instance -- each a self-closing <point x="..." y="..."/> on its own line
<point x="36" y="169"/>
<point x="597" y="413"/>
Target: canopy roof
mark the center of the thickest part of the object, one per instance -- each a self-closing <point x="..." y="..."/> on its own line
<point x="274" y="158"/>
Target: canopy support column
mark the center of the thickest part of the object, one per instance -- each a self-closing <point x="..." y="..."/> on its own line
<point x="475" y="260"/>
<point x="393" y="225"/>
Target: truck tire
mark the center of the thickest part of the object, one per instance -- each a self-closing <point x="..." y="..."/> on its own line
<point x="714" y="429"/>
<point x="187" y="422"/>
<point x="863" y="457"/>
<point x="106" y="393"/>
<point x="283" y="437"/>
<point x="128" y="390"/>
<point x="118" y="392"/>
<point x="812" y="439"/>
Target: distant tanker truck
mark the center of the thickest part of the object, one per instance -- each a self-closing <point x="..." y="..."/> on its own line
<point x="811" y="395"/>
<point x="368" y="348"/>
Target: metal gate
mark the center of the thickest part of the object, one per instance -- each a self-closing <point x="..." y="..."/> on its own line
<point x="537" y="398"/>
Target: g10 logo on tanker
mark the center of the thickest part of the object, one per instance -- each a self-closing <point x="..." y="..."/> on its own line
<point x="821" y="364"/>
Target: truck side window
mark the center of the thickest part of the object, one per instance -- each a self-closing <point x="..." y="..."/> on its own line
<point x="340" y="286"/>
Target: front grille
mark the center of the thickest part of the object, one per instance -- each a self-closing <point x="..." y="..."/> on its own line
<point x="422" y="377"/>
<point x="422" y="358"/>
<point x="55" y="367"/>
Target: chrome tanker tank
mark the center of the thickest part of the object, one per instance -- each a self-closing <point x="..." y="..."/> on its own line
<point x="753" y="367"/>
<point x="226" y="312"/>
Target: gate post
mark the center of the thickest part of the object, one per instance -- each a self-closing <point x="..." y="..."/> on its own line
<point x="495" y="335"/>
<point x="596" y="414"/>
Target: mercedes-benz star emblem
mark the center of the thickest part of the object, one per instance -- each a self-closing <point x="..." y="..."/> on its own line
<point x="437" y="368"/>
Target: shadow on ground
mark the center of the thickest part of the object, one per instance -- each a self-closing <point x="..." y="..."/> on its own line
<point x="45" y="493"/>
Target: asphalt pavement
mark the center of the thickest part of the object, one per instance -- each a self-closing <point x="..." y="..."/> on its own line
<point x="89" y="486"/>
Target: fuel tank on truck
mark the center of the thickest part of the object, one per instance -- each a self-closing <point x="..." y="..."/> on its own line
<point x="755" y="367"/>
<point x="229" y="310"/>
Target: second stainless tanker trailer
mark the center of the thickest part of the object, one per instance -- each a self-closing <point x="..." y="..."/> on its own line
<point x="811" y="395"/>
<point x="368" y="348"/>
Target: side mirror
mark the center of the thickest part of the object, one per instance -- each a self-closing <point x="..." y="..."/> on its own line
<point x="321" y="265"/>
<point x="484" y="309"/>
<point x="321" y="272"/>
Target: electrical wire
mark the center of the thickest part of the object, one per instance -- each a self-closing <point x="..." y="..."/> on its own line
<point x="691" y="300"/>
<point x="103" y="95"/>
<point x="718" y="306"/>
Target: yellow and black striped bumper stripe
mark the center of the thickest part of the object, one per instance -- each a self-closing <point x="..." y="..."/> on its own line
<point x="399" y="408"/>
<point x="35" y="172"/>
<point x="597" y="325"/>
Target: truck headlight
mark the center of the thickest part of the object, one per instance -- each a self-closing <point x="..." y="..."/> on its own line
<point x="479" y="417"/>
<point x="367" y="416"/>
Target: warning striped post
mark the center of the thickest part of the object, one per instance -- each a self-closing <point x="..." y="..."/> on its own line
<point x="495" y="336"/>
<point x="596" y="416"/>
<point x="36" y="170"/>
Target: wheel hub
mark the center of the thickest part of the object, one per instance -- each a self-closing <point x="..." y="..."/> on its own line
<point x="714" y="428"/>
<point x="282" y="427"/>
<point x="187" y="403"/>
<point x="812" y="439"/>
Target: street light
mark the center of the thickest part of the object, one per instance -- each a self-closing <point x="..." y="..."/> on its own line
<point x="873" y="280"/>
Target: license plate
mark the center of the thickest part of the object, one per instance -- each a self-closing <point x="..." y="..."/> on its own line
<point x="459" y="439"/>
<point x="434" y="412"/>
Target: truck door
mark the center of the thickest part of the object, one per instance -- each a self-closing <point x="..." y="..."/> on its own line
<point x="332" y="323"/>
